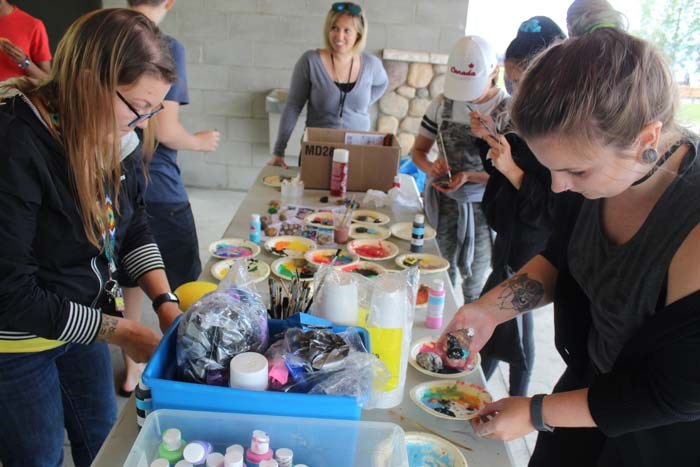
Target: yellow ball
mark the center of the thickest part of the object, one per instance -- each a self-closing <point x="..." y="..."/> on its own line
<point x="190" y="292"/>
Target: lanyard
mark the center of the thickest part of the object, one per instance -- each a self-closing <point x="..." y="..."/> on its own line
<point x="115" y="294"/>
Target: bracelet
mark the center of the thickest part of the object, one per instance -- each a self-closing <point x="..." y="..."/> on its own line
<point x="24" y="64"/>
<point x="536" y="416"/>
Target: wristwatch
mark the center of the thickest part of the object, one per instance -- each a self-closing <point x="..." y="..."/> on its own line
<point x="536" y="413"/>
<point x="164" y="298"/>
<point x="24" y="64"/>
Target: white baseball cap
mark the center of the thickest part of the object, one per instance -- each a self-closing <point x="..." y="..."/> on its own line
<point x="470" y="63"/>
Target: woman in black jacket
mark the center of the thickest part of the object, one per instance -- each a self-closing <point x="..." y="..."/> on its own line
<point x="622" y="266"/>
<point x="71" y="216"/>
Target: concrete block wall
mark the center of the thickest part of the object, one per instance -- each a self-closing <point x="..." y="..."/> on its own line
<point x="238" y="50"/>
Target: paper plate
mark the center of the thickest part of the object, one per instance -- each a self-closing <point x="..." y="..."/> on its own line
<point x="428" y="343"/>
<point x="364" y="232"/>
<point x="275" y="181"/>
<point x="403" y="231"/>
<point x="451" y="400"/>
<point x="427" y="264"/>
<point x="317" y="219"/>
<point x="287" y="245"/>
<point x="428" y="450"/>
<point x="367" y="217"/>
<point x="233" y="248"/>
<point x="285" y="268"/>
<point x="373" y="250"/>
<point x="257" y="270"/>
<point x="365" y="268"/>
<point x="325" y="255"/>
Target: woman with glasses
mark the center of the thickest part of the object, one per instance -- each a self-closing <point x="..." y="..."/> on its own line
<point x="71" y="216"/>
<point x="339" y="82"/>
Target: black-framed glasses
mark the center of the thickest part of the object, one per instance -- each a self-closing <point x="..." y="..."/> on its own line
<point x="352" y="8"/>
<point x="139" y="117"/>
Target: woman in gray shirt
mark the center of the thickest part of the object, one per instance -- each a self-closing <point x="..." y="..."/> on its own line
<point x="339" y="82"/>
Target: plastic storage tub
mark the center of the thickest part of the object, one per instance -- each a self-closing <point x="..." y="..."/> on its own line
<point x="315" y="442"/>
<point x="168" y="393"/>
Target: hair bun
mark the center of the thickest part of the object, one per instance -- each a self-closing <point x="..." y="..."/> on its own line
<point x="534" y="34"/>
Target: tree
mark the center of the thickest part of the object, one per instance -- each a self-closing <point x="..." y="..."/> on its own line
<point x="674" y="26"/>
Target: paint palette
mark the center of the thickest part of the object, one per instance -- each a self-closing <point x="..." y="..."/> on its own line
<point x="275" y="181"/>
<point x="325" y="256"/>
<point x="290" y="268"/>
<point x="367" y="217"/>
<point x="233" y="248"/>
<point x="427" y="344"/>
<point x="427" y="264"/>
<point x="450" y="400"/>
<point x="321" y="219"/>
<point x="288" y="245"/>
<point x="365" y="268"/>
<point x="403" y="231"/>
<point x="364" y="232"/>
<point x="427" y="450"/>
<point x="257" y="270"/>
<point x="373" y="250"/>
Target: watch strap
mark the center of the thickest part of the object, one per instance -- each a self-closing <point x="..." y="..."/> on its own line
<point x="164" y="298"/>
<point x="536" y="416"/>
<point x="25" y="63"/>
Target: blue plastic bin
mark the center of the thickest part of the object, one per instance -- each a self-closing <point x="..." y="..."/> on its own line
<point x="316" y="443"/>
<point x="168" y="393"/>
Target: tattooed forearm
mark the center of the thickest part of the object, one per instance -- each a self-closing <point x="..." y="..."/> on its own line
<point x="520" y="293"/>
<point x="107" y="328"/>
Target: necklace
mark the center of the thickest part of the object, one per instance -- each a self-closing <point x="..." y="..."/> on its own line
<point x="662" y="160"/>
<point x="343" y="90"/>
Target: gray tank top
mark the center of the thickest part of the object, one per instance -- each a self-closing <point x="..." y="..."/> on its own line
<point x="624" y="283"/>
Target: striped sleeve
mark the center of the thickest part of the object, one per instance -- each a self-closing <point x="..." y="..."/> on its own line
<point x="142" y="260"/>
<point x="431" y="122"/>
<point x="82" y="325"/>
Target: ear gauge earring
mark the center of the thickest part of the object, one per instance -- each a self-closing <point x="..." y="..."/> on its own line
<point x="649" y="156"/>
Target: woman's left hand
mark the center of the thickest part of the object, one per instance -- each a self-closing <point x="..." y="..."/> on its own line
<point x="506" y="419"/>
<point x="458" y="179"/>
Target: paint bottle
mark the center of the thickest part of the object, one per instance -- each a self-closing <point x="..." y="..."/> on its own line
<point x="215" y="459"/>
<point x="255" y="229"/>
<point x="144" y="403"/>
<point x="234" y="458"/>
<point x="259" y="449"/>
<point x="183" y="463"/>
<point x="436" y="304"/>
<point x="248" y="370"/>
<point x="172" y="446"/>
<point x="284" y="457"/>
<point x="269" y="463"/>
<point x="196" y="452"/>
<point x="339" y="172"/>
<point x="417" y="233"/>
<point x="160" y="463"/>
<point x="235" y="447"/>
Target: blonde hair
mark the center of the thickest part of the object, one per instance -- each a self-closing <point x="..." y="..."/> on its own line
<point x="601" y="88"/>
<point x="100" y="50"/>
<point x="584" y="16"/>
<point x="361" y="27"/>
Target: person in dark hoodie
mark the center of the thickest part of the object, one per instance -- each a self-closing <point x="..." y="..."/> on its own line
<point x="71" y="216"/>
<point x="518" y="204"/>
<point x="622" y="266"/>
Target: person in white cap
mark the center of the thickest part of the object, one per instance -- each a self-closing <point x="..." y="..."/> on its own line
<point x="457" y="177"/>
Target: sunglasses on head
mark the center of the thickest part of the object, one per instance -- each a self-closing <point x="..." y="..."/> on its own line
<point x="353" y="9"/>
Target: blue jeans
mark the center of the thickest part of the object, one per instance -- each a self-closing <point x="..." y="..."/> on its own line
<point x="72" y="384"/>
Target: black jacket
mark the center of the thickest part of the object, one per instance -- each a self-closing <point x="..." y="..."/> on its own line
<point x="648" y="406"/>
<point x="51" y="278"/>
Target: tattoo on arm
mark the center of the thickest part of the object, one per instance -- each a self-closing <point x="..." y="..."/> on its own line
<point x="108" y="327"/>
<point x="520" y="293"/>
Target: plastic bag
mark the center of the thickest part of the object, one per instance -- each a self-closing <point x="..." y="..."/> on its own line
<point x="341" y="297"/>
<point x="219" y="326"/>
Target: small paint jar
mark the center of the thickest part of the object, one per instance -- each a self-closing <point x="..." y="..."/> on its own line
<point x="160" y="463"/>
<point x="183" y="463"/>
<point x="234" y="458"/>
<point x="196" y="452"/>
<point x="269" y="463"/>
<point x="172" y="446"/>
<point x="284" y="457"/>
<point x="248" y="370"/>
<point x="215" y="459"/>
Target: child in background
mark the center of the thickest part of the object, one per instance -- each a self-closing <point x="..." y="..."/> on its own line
<point x="454" y="208"/>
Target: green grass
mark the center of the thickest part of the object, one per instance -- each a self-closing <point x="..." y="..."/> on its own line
<point x="690" y="114"/>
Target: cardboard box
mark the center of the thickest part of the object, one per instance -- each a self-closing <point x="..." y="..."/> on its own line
<point x="370" y="167"/>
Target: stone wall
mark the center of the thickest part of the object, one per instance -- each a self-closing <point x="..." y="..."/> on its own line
<point x="239" y="50"/>
<point x="415" y="78"/>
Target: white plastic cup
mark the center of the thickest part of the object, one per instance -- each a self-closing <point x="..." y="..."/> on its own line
<point x="338" y="302"/>
<point x="248" y="370"/>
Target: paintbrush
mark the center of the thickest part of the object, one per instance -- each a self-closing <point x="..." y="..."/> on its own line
<point x="425" y="428"/>
<point x="444" y="154"/>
